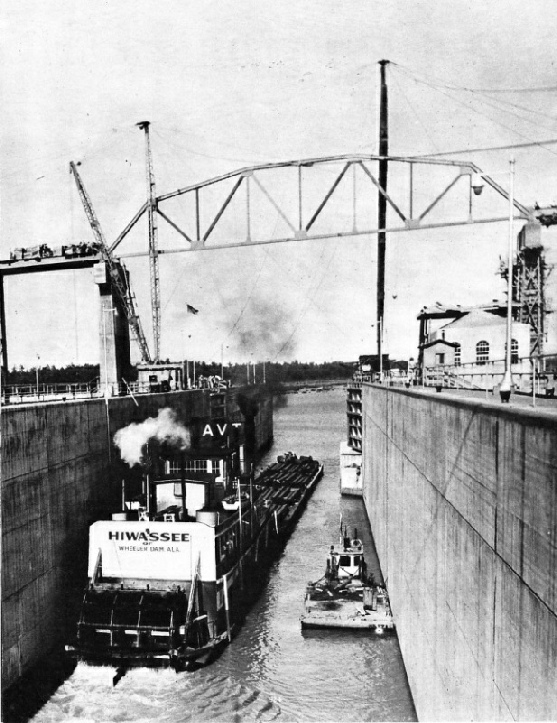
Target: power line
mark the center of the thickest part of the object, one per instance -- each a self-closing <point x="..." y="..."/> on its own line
<point x="532" y="144"/>
<point x="399" y="86"/>
<point x="479" y="112"/>
<point x="539" y="89"/>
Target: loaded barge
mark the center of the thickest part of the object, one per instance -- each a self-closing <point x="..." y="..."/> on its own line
<point x="166" y="580"/>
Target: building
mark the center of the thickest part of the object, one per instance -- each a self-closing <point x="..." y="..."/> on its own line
<point x="470" y="349"/>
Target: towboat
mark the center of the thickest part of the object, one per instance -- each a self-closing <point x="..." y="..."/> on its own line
<point x="165" y="581"/>
<point x="347" y="596"/>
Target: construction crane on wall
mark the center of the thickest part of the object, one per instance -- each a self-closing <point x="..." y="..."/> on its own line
<point x="152" y="207"/>
<point x="116" y="272"/>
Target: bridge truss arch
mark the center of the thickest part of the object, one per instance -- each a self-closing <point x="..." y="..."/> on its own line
<point x="300" y="196"/>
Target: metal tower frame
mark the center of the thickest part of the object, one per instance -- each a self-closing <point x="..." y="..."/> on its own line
<point x="152" y="207"/>
<point x="116" y="273"/>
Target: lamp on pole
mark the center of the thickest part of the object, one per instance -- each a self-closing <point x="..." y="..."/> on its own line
<point x="506" y="384"/>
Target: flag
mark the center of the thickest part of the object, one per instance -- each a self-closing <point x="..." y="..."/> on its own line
<point x="192" y="309"/>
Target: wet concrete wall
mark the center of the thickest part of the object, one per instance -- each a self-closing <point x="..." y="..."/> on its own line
<point x="59" y="474"/>
<point x="462" y="499"/>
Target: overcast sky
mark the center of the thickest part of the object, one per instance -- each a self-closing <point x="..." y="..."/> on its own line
<point x="231" y="84"/>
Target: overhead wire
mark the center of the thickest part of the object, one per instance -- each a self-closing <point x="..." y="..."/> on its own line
<point x="491" y="102"/>
<point x="424" y="128"/>
<point x="485" y="115"/>
<point x="251" y="160"/>
<point x="451" y="86"/>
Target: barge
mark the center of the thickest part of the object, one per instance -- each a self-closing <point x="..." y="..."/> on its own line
<point x="347" y="596"/>
<point x="167" y="582"/>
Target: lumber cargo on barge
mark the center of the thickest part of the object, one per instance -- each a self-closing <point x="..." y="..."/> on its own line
<point x="165" y="580"/>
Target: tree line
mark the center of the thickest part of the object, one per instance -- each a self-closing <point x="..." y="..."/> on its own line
<point x="273" y="373"/>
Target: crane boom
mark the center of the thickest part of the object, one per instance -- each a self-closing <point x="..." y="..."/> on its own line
<point x="153" y="241"/>
<point x="117" y="278"/>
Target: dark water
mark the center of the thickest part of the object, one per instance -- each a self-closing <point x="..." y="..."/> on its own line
<point x="272" y="671"/>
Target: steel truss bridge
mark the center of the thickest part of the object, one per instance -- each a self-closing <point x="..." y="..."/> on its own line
<point x="332" y="197"/>
<point x="301" y="207"/>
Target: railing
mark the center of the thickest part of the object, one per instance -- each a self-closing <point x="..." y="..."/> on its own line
<point x="22" y="393"/>
<point x="44" y="392"/>
<point x="489" y="375"/>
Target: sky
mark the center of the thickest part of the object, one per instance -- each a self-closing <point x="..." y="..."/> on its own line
<point x="232" y="84"/>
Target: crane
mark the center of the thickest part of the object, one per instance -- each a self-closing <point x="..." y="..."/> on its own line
<point x="116" y="272"/>
<point x="153" y="241"/>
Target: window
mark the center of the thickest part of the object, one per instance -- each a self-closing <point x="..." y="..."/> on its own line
<point x="514" y="351"/>
<point x="457" y="357"/>
<point x="482" y="352"/>
<point x="190" y="465"/>
<point x="440" y="358"/>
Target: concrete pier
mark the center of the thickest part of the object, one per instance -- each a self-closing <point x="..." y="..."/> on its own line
<point x="60" y="472"/>
<point x="462" y="500"/>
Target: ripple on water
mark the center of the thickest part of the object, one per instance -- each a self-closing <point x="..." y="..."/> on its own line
<point x="273" y="670"/>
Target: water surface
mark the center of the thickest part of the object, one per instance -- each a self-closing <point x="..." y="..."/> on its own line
<point x="272" y="671"/>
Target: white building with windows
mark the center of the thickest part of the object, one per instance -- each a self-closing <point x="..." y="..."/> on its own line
<point x="473" y="347"/>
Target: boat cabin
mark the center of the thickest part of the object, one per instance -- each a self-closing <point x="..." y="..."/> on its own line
<point x="348" y="562"/>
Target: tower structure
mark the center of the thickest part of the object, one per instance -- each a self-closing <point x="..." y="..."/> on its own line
<point x="153" y="241"/>
<point x="530" y="285"/>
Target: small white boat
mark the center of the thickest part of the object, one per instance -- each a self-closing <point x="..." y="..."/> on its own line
<point x="232" y="502"/>
<point x="346" y="596"/>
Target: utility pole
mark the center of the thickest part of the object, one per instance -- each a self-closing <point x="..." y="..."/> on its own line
<point x="382" y="207"/>
<point x="3" y="342"/>
<point x="506" y="384"/>
<point x="153" y="242"/>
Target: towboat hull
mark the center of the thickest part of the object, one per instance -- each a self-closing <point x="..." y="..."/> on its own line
<point x="170" y="593"/>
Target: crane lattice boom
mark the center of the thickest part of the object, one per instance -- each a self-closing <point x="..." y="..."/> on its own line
<point x="118" y="278"/>
<point x="153" y="242"/>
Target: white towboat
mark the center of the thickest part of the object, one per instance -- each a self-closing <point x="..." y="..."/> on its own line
<point x="346" y="596"/>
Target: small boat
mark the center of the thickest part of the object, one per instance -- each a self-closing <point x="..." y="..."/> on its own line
<point x="347" y="596"/>
<point x="233" y="501"/>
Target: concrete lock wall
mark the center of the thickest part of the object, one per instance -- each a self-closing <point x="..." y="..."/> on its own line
<point x="58" y="475"/>
<point x="462" y="499"/>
